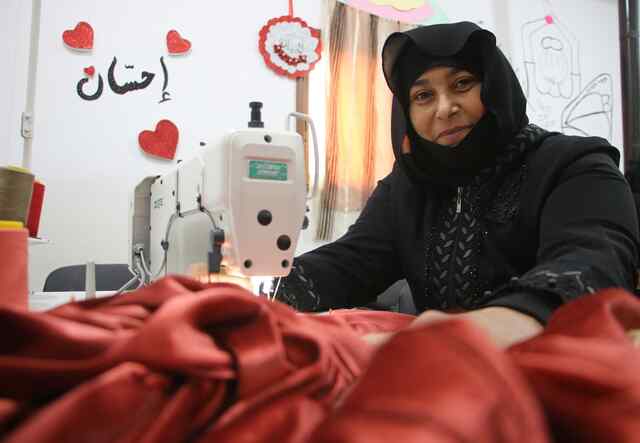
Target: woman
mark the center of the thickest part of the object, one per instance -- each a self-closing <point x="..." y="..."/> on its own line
<point x="485" y="215"/>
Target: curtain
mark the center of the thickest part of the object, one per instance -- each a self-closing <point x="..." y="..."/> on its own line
<point x="358" y="111"/>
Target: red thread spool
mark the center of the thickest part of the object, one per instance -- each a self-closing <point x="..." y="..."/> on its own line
<point x="35" y="209"/>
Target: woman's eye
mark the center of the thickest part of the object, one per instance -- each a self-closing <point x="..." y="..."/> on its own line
<point x="422" y="96"/>
<point x="464" y="83"/>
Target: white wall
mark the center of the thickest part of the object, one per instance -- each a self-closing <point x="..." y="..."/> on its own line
<point x="15" y="21"/>
<point x="87" y="152"/>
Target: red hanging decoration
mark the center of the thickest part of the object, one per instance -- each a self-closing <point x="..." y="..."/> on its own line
<point x="162" y="142"/>
<point x="80" y="38"/>
<point x="289" y="46"/>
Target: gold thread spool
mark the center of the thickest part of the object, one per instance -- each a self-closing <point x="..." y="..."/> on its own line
<point x="16" y="187"/>
<point x="10" y="224"/>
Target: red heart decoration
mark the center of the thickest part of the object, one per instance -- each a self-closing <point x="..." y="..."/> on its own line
<point x="162" y="142"/>
<point x="90" y="71"/>
<point x="79" y="38"/>
<point x="176" y="44"/>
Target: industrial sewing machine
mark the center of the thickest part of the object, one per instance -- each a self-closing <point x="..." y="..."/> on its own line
<point x="233" y="211"/>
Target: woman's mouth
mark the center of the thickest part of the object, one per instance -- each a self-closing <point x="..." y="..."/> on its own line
<point x="452" y="135"/>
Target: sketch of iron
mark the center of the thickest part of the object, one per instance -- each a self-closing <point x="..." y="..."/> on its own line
<point x="592" y="109"/>
<point x="551" y="58"/>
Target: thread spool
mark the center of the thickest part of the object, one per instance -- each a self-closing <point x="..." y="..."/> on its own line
<point x="14" y="290"/>
<point x="16" y="188"/>
<point x="35" y="208"/>
<point x="90" y="280"/>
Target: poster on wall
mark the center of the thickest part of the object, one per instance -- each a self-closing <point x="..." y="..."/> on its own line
<point x="419" y="12"/>
<point x="569" y="89"/>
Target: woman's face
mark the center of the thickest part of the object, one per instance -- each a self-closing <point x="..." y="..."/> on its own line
<point x="445" y="104"/>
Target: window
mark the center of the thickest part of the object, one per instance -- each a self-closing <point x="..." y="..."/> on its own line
<point x="351" y="104"/>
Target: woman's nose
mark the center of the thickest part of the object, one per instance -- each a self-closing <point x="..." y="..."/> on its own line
<point x="446" y="107"/>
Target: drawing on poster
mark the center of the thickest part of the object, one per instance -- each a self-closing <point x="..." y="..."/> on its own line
<point x="552" y="82"/>
<point x="551" y="58"/>
<point x="591" y="112"/>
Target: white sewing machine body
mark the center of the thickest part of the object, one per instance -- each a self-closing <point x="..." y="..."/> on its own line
<point x="251" y="186"/>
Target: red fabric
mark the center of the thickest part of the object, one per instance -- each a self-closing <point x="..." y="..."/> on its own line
<point x="441" y="383"/>
<point x="183" y="361"/>
<point x="367" y="322"/>
<point x="177" y="356"/>
<point x="14" y="290"/>
<point x="586" y="371"/>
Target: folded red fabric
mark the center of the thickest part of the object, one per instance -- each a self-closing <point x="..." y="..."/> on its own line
<point x="183" y="361"/>
<point x="444" y="382"/>
<point x="366" y="321"/>
<point x="586" y="371"/>
<point x="177" y="357"/>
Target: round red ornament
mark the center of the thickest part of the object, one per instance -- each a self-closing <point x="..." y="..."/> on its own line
<point x="289" y="46"/>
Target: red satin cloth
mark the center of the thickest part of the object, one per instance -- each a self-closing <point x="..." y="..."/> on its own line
<point x="14" y="287"/>
<point x="585" y="370"/>
<point x="182" y="361"/>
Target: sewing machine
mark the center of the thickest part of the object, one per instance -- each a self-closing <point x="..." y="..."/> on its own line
<point x="234" y="210"/>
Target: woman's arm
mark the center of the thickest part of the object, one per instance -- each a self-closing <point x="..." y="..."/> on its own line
<point x="352" y="270"/>
<point x="588" y="239"/>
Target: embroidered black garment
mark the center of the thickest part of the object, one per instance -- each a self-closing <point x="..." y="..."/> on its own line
<point x="297" y="290"/>
<point x="454" y="241"/>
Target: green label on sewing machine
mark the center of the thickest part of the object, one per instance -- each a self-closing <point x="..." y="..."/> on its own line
<point x="267" y="170"/>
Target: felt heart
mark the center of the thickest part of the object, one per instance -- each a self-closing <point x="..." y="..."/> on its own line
<point x="90" y="71"/>
<point x="176" y="44"/>
<point x="162" y="142"/>
<point x="80" y="38"/>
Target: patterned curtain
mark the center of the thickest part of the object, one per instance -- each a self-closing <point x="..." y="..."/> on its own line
<point x="358" y="106"/>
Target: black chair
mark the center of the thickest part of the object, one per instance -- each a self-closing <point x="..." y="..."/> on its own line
<point x="109" y="277"/>
<point x="396" y="298"/>
<point x="632" y="174"/>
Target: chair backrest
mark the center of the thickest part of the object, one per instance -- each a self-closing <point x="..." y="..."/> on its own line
<point x="109" y="277"/>
<point x="396" y="298"/>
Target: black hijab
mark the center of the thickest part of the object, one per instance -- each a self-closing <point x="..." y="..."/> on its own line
<point x="406" y="55"/>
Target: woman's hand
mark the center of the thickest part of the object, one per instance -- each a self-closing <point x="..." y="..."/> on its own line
<point x="504" y="326"/>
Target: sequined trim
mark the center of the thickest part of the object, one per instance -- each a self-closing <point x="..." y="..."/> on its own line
<point x="296" y="290"/>
<point x="567" y="285"/>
